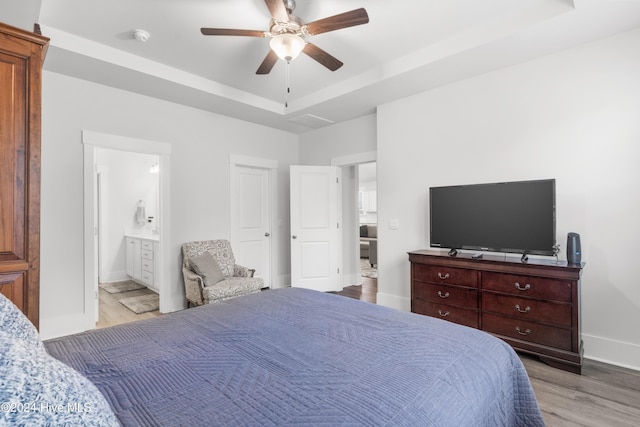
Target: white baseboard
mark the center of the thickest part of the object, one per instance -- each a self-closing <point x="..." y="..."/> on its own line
<point x="613" y="352"/>
<point x="393" y="301"/>
<point x="282" y="282"/>
<point x="65" y="325"/>
<point x="115" y="276"/>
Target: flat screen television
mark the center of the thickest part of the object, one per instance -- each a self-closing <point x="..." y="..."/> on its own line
<point x="514" y="217"/>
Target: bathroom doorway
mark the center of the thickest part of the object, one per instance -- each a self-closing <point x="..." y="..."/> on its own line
<point x="128" y="204"/>
<point x="100" y="263"/>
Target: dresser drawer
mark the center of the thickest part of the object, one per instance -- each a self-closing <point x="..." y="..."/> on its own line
<point x="555" y="313"/>
<point x="527" y="286"/>
<point x="551" y="336"/>
<point x="446" y="294"/>
<point x="147" y="277"/>
<point x="146" y="254"/>
<point x="463" y="316"/>
<point x="146" y="244"/>
<point x="147" y="265"/>
<point x="449" y="275"/>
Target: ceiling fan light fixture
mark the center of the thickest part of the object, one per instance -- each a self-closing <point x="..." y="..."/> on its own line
<point x="287" y="46"/>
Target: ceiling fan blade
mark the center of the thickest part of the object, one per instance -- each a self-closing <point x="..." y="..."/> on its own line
<point x="229" y="32"/>
<point x="321" y="56"/>
<point x="337" y="22"/>
<point x="278" y="10"/>
<point x="268" y="63"/>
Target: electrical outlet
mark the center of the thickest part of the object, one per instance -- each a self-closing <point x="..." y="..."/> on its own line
<point x="394" y="224"/>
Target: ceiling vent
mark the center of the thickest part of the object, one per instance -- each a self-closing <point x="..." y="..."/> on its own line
<point x="309" y="120"/>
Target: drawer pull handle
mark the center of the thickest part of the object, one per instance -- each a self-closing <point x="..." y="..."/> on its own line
<point x="521" y="288"/>
<point x="526" y="332"/>
<point x="443" y="277"/>
<point x="526" y="309"/>
<point x="441" y="295"/>
<point x="445" y="314"/>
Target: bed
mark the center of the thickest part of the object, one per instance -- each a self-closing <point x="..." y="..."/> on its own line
<point x="295" y="356"/>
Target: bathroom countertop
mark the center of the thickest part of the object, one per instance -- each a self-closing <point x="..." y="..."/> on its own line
<point x="147" y="236"/>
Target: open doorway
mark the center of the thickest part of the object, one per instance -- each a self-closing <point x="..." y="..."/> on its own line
<point x="368" y="219"/>
<point x="170" y="299"/>
<point x="358" y="207"/>
<point x="128" y="211"/>
<point x="360" y="219"/>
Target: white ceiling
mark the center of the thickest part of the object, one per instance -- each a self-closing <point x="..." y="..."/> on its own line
<point x="407" y="47"/>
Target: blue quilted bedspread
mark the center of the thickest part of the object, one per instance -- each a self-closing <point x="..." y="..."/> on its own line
<point x="293" y="356"/>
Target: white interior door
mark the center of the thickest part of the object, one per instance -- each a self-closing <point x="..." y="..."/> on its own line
<point x="316" y="246"/>
<point x="252" y="220"/>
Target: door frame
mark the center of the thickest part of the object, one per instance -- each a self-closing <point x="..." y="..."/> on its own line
<point x="238" y="160"/>
<point x="350" y="237"/>
<point x="102" y="178"/>
<point x="91" y="142"/>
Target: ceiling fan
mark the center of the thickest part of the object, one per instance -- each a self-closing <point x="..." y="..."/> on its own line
<point x="288" y="34"/>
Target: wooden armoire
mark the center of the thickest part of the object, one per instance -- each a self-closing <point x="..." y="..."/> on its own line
<point x="21" y="57"/>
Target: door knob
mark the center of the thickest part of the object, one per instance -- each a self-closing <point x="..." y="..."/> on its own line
<point x="267" y="234"/>
<point x="294" y="237"/>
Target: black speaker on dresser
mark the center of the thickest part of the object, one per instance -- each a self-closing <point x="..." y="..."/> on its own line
<point x="574" y="251"/>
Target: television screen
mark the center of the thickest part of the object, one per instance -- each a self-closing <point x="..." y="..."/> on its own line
<point x="516" y="217"/>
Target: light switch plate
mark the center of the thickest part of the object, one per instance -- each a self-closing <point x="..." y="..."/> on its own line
<point x="394" y="224"/>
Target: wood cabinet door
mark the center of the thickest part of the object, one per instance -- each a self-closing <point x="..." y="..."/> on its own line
<point x="21" y="56"/>
<point x="13" y="178"/>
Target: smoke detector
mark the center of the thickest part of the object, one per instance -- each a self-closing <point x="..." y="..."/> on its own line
<point x="140" y="35"/>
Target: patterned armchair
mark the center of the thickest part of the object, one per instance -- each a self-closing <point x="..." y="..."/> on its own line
<point x="233" y="280"/>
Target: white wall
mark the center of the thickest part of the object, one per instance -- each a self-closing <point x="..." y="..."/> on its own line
<point x="573" y="116"/>
<point x="355" y="136"/>
<point x="201" y="143"/>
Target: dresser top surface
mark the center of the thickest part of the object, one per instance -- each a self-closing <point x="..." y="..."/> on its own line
<point x="493" y="261"/>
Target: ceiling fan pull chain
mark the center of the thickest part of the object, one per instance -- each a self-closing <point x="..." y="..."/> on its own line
<point x="286" y="101"/>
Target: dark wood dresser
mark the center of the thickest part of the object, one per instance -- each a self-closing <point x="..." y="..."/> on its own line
<point x="533" y="306"/>
<point x="21" y="57"/>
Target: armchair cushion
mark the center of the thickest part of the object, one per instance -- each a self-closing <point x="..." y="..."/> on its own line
<point x="232" y="287"/>
<point x="205" y="266"/>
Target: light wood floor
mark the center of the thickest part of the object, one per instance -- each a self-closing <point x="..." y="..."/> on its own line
<point x="111" y="312"/>
<point x="603" y="396"/>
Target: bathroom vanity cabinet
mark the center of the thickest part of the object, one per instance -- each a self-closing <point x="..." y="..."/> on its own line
<point x="142" y="260"/>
